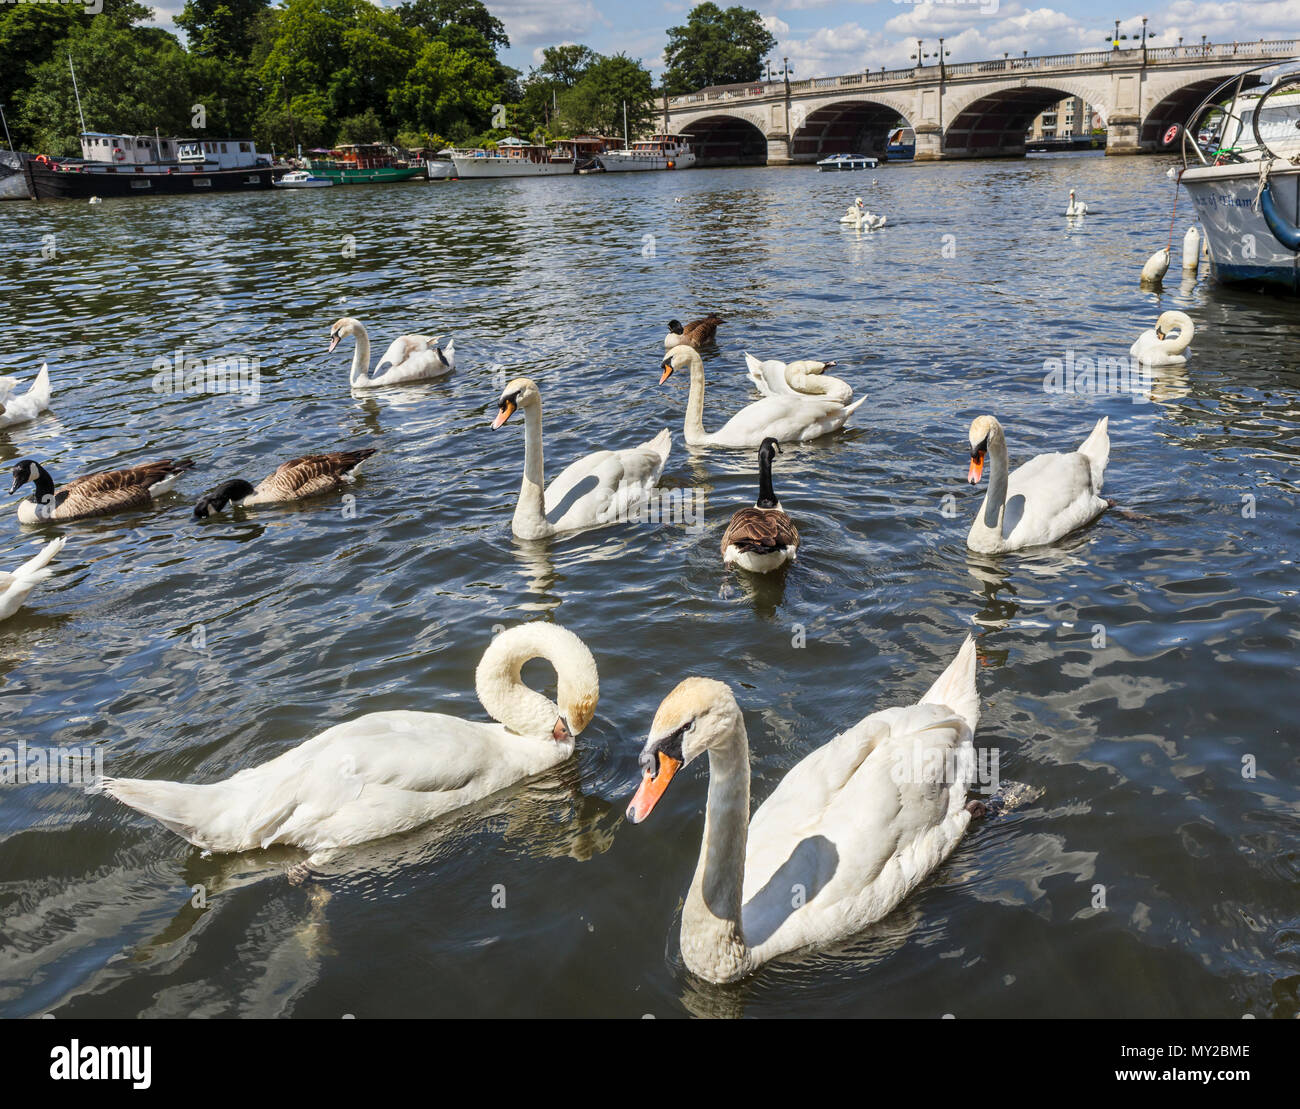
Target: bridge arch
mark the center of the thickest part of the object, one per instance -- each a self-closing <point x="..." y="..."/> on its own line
<point x="842" y="127"/>
<point x="994" y="122"/>
<point x="1173" y="106"/>
<point x="726" y="140"/>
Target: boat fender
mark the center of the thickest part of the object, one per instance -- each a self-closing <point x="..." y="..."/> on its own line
<point x="1286" y="232"/>
<point x="672" y="165"/>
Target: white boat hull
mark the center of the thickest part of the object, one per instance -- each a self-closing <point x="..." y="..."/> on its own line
<point x="1242" y="247"/>
<point x="509" y="167"/>
<point x="441" y="171"/>
<point x="623" y="163"/>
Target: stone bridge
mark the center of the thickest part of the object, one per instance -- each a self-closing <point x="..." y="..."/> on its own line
<point x="971" y="110"/>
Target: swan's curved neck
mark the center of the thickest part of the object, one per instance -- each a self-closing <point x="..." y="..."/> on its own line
<point x="530" y="511"/>
<point x="713" y="940"/>
<point x="801" y="381"/>
<point x="693" y="427"/>
<point x="1186" y="329"/>
<point x="995" y="500"/>
<point x="360" y="355"/>
<point x="501" y="690"/>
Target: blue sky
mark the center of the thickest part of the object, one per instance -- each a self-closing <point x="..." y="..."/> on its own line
<point x="828" y="37"/>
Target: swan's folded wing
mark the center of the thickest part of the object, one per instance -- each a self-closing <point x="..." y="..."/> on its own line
<point x="602" y="487"/>
<point x="768" y="377"/>
<point x="1048" y="497"/>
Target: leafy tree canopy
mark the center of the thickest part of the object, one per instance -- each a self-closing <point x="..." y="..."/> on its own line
<point x="716" y="47"/>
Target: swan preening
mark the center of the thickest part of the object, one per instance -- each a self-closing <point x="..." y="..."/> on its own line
<point x="1076" y="207"/>
<point x="1156" y="267"/>
<point x="14" y="587"/>
<point x="94" y="494"/>
<point x="851" y="825"/>
<point x="694" y="334"/>
<point x="787" y="419"/>
<point x="295" y="480"/>
<point x="388" y="772"/>
<point x="1042" y="500"/>
<point x="762" y="538"/>
<point x="604" y="487"/>
<point x="408" y="357"/>
<point x="805" y="377"/>
<point x="16" y="408"/>
<point x="862" y="219"/>
<point x="1153" y="348"/>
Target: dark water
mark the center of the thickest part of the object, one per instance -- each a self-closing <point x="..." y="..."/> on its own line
<point x="1130" y="755"/>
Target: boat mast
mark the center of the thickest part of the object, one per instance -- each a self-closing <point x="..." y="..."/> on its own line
<point x="8" y="141"/>
<point x="76" y="93"/>
<point x="625" y="142"/>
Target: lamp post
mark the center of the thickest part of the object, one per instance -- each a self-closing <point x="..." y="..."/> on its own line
<point x="918" y="57"/>
<point x="1115" y="39"/>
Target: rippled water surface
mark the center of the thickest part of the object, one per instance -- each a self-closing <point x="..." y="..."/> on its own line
<point x="191" y="652"/>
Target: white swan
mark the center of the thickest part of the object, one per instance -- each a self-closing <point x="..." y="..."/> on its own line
<point x="408" y="357"/>
<point x="22" y="409"/>
<point x="15" y="587"/>
<point x="387" y="772"/>
<point x="1076" y="207"/>
<point x="1153" y="349"/>
<point x="805" y="377"/>
<point x="604" y="487"/>
<point x="1044" y="499"/>
<point x="853" y="214"/>
<point x="855" y="827"/>
<point x="787" y="419"/>
<point x="862" y="219"/>
<point x="1156" y="267"/>
<point x="1192" y="251"/>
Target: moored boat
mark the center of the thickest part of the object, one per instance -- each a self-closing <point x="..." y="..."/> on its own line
<point x="512" y="158"/>
<point x="847" y="162"/>
<point x="301" y="179"/>
<point x="1240" y="150"/>
<point x="361" y="164"/>
<point x="657" y="152"/>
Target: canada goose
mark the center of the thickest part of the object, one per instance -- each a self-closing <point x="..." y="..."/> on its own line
<point x="94" y="494"/>
<point x="694" y="334"/>
<point x="22" y="408"/>
<point x="1043" y="499"/>
<point x="761" y="538"/>
<point x="15" y="587"/>
<point x="295" y="480"/>
<point x="408" y="357"/>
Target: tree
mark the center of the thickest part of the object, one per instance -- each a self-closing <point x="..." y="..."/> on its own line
<point x="596" y="102"/>
<point x="435" y="16"/>
<point x="448" y="92"/>
<point x="716" y="47"/>
<point x="221" y="28"/>
<point x="564" y="65"/>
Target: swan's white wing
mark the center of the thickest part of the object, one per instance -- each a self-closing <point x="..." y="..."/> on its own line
<point x="768" y="377"/>
<point x="854" y="827"/>
<point x="1048" y="497"/>
<point x="788" y="419"/>
<point x="422" y="364"/>
<point x="605" y="486"/>
<point x="1147" y="340"/>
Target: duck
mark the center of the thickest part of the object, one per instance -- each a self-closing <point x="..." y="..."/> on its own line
<point x="762" y="538"/>
<point x="1152" y="348"/>
<point x="604" y="487"/>
<point x="295" y="480"/>
<point x="694" y="334"/>
<point x="387" y="772"/>
<point x="1076" y="207"/>
<point x="1041" y="501"/>
<point x="857" y="825"/>
<point x="22" y="408"/>
<point x="97" y="494"/>
<point x="408" y="357"/>
<point x="15" y="586"/>
<point x="1156" y="267"/>
<point x="787" y="419"/>
<point x="805" y="376"/>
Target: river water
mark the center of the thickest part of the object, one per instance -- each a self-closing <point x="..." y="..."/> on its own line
<point x="1137" y="679"/>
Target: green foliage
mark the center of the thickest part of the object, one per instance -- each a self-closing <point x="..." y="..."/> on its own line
<point x="716" y="47"/>
<point x="595" y="103"/>
<point x="220" y="28"/>
<point x="434" y="17"/>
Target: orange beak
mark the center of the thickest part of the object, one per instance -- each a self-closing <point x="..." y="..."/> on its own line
<point x="652" y="788"/>
<point x="334" y="341"/>
<point x="506" y="412"/>
<point x="976" y="468"/>
<point x="668" y="372"/>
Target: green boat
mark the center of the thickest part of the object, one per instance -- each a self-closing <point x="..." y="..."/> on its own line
<point x="361" y="164"/>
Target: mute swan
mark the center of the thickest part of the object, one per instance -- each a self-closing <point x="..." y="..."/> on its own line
<point x="856" y="826"/>
<point x="21" y="409"/>
<point x="1044" y="499"/>
<point x="1076" y="207"/>
<point x="387" y="772"/>
<point x="408" y="357"/>
<point x="294" y="480"/>
<point x="604" y="487"/>
<point x="1192" y="250"/>
<point x="1156" y="267"/>
<point x="861" y="219"/>
<point x="805" y="377"/>
<point x="15" y="587"/>
<point x="787" y="419"/>
<point x="853" y="213"/>
<point x="694" y="334"/>
<point x="1153" y="349"/>
<point x="762" y="538"/>
<point x="94" y="494"/>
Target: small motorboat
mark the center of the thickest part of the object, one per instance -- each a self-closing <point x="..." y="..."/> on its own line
<point x="848" y="161"/>
<point x="301" y="179"/>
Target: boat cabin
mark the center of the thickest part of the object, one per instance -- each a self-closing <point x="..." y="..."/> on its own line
<point x="153" y="150"/>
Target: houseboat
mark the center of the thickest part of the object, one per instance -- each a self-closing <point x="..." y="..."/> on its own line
<point x="365" y="163"/>
<point x="656" y="152"/>
<point x="512" y="158"/>
<point x="143" y="165"/>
